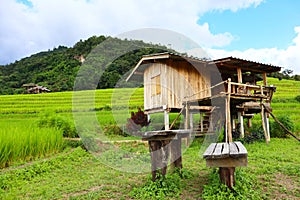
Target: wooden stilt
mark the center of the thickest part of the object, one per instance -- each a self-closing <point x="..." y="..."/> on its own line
<point x="267" y="126"/>
<point x="228" y="114"/>
<point x="186" y="117"/>
<point x="241" y="122"/>
<point x="166" y="119"/>
<point x="264" y="123"/>
<point x="201" y="122"/>
<point x="227" y="176"/>
<point x="249" y="123"/>
<point x="228" y="121"/>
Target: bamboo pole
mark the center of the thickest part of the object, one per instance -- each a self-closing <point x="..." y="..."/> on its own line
<point x="228" y="113"/>
<point x="262" y="113"/>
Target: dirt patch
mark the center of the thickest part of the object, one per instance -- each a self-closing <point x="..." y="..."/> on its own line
<point x="75" y="194"/>
<point x="285" y="187"/>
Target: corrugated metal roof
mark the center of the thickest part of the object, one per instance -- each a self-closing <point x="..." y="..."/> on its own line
<point x="223" y="64"/>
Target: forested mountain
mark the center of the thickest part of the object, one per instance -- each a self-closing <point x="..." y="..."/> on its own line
<point x="57" y="69"/>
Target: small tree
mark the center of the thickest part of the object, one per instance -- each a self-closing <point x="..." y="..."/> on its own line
<point x="277" y="130"/>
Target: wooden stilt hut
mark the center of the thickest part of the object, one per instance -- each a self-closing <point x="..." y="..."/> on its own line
<point x="227" y="88"/>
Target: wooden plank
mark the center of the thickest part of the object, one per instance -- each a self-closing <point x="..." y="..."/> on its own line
<point x="242" y="148"/>
<point x="210" y="149"/>
<point x="160" y="137"/>
<point x="225" y="149"/>
<point x="233" y="150"/>
<point x="227" y="162"/>
<point x="218" y="151"/>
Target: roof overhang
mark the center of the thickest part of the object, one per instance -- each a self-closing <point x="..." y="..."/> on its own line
<point x="144" y="63"/>
<point x="231" y="64"/>
<point x="224" y="65"/>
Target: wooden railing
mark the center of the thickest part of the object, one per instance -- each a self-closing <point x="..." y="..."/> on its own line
<point x="233" y="88"/>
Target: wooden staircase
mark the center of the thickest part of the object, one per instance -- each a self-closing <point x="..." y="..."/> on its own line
<point x="206" y="122"/>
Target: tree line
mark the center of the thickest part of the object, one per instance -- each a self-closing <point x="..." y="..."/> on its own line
<point x="57" y="69"/>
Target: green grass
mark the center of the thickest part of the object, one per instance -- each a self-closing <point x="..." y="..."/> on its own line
<point x="272" y="173"/>
<point x="22" y="141"/>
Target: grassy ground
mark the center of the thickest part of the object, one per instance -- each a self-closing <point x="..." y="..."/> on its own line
<point x="76" y="174"/>
<point x="273" y="171"/>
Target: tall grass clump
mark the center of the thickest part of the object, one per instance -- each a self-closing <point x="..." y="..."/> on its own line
<point x="49" y="120"/>
<point x="277" y="130"/>
<point x="26" y="141"/>
<point x="246" y="187"/>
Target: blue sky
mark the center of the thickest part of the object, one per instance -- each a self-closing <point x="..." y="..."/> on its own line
<point x="261" y="30"/>
<point x="271" y="24"/>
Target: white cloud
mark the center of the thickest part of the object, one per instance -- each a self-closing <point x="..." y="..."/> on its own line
<point x="287" y="58"/>
<point x="50" y="23"/>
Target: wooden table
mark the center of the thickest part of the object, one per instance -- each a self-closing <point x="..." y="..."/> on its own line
<point x="226" y="156"/>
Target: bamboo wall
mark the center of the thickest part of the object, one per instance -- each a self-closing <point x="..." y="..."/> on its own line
<point x="169" y="82"/>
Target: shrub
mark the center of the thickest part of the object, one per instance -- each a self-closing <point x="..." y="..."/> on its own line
<point x="297" y="98"/>
<point x="164" y="187"/>
<point x="255" y="133"/>
<point x="53" y="121"/>
<point x="244" y="188"/>
<point x="114" y="129"/>
<point x="277" y="131"/>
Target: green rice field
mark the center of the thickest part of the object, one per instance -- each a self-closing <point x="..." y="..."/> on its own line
<point x="19" y="114"/>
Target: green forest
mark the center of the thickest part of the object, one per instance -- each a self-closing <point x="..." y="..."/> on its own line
<point x="106" y="62"/>
<point x="57" y="69"/>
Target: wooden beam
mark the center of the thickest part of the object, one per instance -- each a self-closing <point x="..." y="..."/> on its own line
<point x="227" y="162"/>
<point x="239" y="74"/>
<point x="265" y="78"/>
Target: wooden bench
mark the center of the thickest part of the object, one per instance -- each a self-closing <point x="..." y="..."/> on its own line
<point x="226" y="156"/>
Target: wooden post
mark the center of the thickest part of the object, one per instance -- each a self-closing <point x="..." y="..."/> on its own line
<point x="249" y="123"/>
<point x="189" y="137"/>
<point x="227" y="176"/>
<point x="201" y="122"/>
<point x="241" y="122"/>
<point x="228" y="114"/>
<point x="186" y="119"/>
<point x="148" y="117"/>
<point x="233" y="124"/>
<point x="191" y="121"/>
<point x="265" y="78"/>
<point x="166" y="119"/>
<point x="267" y="126"/>
<point x="264" y="123"/>
<point x="239" y="74"/>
